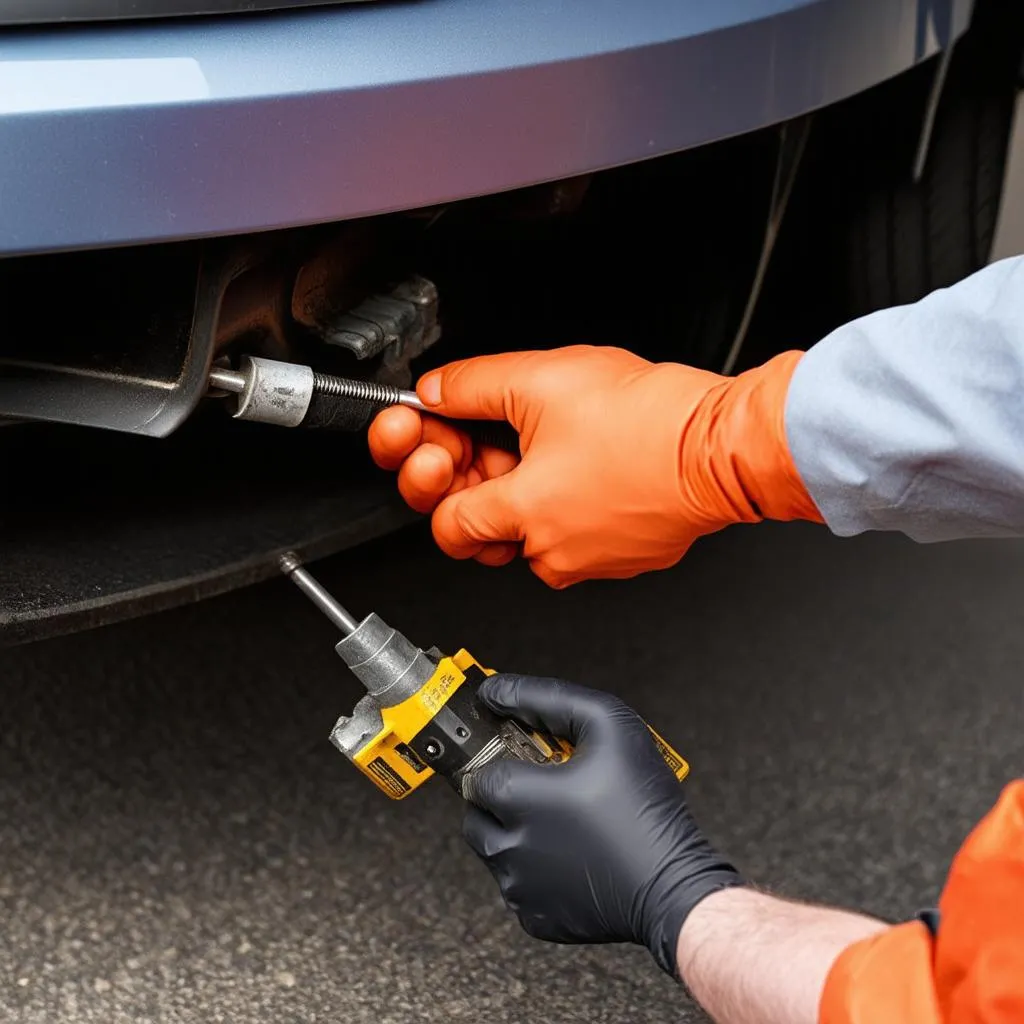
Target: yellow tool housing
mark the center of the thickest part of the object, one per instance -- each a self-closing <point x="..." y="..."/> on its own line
<point x="388" y="758"/>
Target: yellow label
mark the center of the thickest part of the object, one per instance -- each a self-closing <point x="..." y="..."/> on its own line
<point x="386" y="760"/>
<point x="680" y="769"/>
<point x="436" y="691"/>
<point x="386" y="778"/>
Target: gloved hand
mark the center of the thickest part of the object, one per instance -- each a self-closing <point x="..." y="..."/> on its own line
<point x="601" y="848"/>
<point x="624" y="462"/>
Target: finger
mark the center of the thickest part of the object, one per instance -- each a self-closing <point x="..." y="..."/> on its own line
<point x="464" y="522"/>
<point x="484" y="833"/>
<point x="448" y="436"/>
<point x="474" y="388"/>
<point x="541" y="925"/>
<point x="393" y="434"/>
<point x="497" y="554"/>
<point x="563" y="709"/>
<point x="505" y="790"/>
<point x="466" y="453"/>
<point x="425" y="477"/>
<point x="435" y="470"/>
<point x="492" y="462"/>
<point x="552" y="577"/>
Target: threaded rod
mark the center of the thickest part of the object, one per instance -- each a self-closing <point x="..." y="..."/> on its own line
<point x="365" y="391"/>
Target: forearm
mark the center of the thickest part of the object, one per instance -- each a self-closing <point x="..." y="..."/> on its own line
<point x="751" y="958"/>
<point x="912" y="418"/>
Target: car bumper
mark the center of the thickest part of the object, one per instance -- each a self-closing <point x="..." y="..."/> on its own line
<point x="121" y="134"/>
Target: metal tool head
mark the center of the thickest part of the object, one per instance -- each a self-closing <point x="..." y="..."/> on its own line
<point x="382" y="659"/>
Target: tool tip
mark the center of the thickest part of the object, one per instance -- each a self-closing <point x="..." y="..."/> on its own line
<point x="289" y="562"/>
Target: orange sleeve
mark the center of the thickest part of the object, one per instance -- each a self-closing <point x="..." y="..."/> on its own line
<point x="979" y="963"/>
<point x="973" y="971"/>
<point x="883" y="980"/>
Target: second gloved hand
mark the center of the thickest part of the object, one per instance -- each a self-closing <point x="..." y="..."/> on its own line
<point x="602" y="848"/>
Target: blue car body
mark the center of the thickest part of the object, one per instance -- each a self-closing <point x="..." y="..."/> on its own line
<point x="127" y="132"/>
<point x="147" y="161"/>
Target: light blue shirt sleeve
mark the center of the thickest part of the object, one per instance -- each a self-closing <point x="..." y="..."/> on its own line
<point x="912" y="418"/>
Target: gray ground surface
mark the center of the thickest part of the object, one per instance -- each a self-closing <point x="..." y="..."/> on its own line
<point x="178" y="841"/>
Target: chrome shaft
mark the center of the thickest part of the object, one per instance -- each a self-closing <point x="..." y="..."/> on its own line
<point x="227" y="380"/>
<point x="365" y="391"/>
<point x="305" y="383"/>
<point x="325" y="601"/>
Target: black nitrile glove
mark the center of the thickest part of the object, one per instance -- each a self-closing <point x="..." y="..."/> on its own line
<point x="602" y="848"/>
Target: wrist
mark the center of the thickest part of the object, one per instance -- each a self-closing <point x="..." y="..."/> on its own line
<point x="747" y="956"/>
<point x="676" y="898"/>
<point x="750" y="452"/>
<point x="702" y="926"/>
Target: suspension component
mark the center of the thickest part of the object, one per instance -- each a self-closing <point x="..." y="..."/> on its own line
<point x="292" y="395"/>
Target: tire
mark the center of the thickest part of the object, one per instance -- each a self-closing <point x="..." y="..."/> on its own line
<point x="902" y="238"/>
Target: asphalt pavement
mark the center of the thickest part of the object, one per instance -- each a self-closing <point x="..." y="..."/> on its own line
<point x="179" y="841"/>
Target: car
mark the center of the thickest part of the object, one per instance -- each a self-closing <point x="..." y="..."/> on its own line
<point x="373" y="188"/>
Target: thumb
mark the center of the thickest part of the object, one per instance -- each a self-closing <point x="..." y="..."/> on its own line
<point x="477" y="389"/>
<point x="504" y="788"/>
<point x="479" y="515"/>
<point x="562" y="709"/>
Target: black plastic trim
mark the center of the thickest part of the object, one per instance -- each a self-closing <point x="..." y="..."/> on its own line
<point x="99" y="527"/>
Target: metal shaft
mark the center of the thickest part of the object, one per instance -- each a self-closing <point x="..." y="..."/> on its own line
<point x="227" y="380"/>
<point x="238" y="382"/>
<point x="340" y="616"/>
<point x="411" y="399"/>
<point x="365" y="391"/>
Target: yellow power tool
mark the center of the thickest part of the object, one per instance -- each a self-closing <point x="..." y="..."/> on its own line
<point x="421" y="714"/>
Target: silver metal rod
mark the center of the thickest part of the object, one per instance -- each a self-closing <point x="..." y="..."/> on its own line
<point x="411" y="399"/>
<point x="238" y="381"/>
<point x="340" y="616"/>
<point x="227" y="380"/>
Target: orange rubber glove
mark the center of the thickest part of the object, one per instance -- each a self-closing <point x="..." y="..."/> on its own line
<point x="625" y="463"/>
